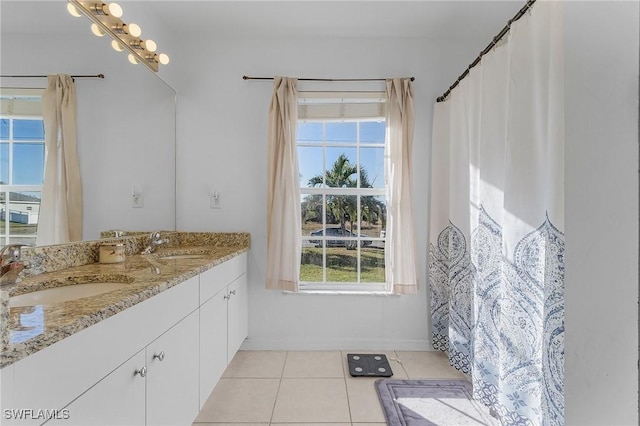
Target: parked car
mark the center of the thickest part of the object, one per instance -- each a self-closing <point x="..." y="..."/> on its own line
<point x="336" y="231"/>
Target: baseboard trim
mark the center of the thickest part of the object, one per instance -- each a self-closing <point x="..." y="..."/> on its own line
<point x="334" y="345"/>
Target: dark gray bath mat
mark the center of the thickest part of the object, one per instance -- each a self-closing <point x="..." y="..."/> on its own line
<point x="431" y="403"/>
<point x="369" y="365"/>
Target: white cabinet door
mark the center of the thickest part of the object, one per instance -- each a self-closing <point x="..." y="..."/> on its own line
<point x="213" y="343"/>
<point x="118" y="399"/>
<point x="172" y="376"/>
<point x="237" y="315"/>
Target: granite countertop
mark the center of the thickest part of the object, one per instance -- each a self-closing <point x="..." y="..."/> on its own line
<point x="33" y="328"/>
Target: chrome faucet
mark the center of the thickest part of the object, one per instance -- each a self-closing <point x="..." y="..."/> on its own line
<point x="11" y="264"/>
<point x="154" y="241"/>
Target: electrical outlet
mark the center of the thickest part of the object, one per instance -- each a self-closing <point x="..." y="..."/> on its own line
<point x="215" y="200"/>
<point x="138" y="201"/>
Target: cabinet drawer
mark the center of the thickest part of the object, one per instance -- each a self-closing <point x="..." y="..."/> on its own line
<point x="218" y="277"/>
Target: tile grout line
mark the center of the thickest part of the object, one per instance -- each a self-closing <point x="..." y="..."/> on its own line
<point x="273" y="410"/>
<point x="346" y="387"/>
<point x="406" y="373"/>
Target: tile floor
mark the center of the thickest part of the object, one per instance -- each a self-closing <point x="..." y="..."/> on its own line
<point x="290" y="388"/>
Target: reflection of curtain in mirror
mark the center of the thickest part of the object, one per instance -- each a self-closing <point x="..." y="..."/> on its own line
<point x="496" y="252"/>
<point x="61" y="207"/>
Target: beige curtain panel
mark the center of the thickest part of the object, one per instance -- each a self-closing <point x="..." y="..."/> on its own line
<point x="400" y="255"/>
<point x="283" y="191"/>
<point x="60" y="219"/>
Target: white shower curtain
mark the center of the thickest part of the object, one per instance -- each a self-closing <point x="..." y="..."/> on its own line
<point x="60" y="218"/>
<point x="496" y="247"/>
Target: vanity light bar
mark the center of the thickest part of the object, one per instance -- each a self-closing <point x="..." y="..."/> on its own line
<point x="106" y="20"/>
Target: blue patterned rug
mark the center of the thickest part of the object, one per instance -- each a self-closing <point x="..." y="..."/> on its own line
<point x="431" y="402"/>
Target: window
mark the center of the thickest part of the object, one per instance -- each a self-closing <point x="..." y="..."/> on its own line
<point x="22" y="152"/>
<point x="341" y="157"/>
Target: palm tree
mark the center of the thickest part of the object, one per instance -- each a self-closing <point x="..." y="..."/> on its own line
<point x="370" y="208"/>
<point x="344" y="207"/>
<point x="340" y="175"/>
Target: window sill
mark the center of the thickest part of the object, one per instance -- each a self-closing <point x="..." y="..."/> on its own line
<point x="340" y="292"/>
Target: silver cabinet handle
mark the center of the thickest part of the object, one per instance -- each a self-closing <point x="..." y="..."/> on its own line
<point x="142" y="372"/>
<point x="226" y="297"/>
<point x="160" y="356"/>
<point x="232" y="292"/>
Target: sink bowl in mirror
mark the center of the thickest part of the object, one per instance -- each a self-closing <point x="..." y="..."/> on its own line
<point x="63" y="294"/>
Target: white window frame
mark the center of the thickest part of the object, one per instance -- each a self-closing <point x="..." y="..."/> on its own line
<point x="331" y="107"/>
<point x="30" y="110"/>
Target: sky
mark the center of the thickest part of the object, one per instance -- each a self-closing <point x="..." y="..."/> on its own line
<point x="340" y="138"/>
<point x="28" y="152"/>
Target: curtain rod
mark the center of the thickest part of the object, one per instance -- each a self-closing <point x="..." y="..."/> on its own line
<point x="487" y="49"/>
<point x="45" y="76"/>
<point x="244" y="77"/>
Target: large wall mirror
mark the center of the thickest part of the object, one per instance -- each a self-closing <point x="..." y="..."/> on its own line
<point x="126" y="121"/>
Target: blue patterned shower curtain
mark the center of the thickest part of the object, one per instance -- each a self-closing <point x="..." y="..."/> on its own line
<point x="496" y="248"/>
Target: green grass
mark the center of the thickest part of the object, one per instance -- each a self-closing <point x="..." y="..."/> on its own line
<point x="19" y="228"/>
<point x="342" y="265"/>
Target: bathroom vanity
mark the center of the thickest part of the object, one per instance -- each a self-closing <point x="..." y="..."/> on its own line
<point x="149" y="352"/>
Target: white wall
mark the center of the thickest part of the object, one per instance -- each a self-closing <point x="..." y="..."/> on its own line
<point x="601" y="287"/>
<point x="222" y="143"/>
<point x="126" y="126"/>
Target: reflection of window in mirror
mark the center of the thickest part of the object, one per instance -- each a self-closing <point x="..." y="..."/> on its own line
<point x="22" y="151"/>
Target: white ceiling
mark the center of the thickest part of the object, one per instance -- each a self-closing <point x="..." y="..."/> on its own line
<point x="310" y="18"/>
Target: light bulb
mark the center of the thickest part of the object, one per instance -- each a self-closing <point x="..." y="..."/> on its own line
<point x="73" y="11"/>
<point x="114" y="10"/>
<point x="163" y="58"/>
<point x="132" y="59"/>
<point x="96" y="30"/>
<point x="150" y="45"/>
<point x="116" y="46"/>
<point x="134" y="30"/>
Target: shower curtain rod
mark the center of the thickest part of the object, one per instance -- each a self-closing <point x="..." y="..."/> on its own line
<point x="487" y="49"/>
<point x="45" y="76"/>
<point x="244" y="77"/>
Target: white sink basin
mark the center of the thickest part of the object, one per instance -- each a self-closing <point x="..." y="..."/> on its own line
<point x="63" y="294"/>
